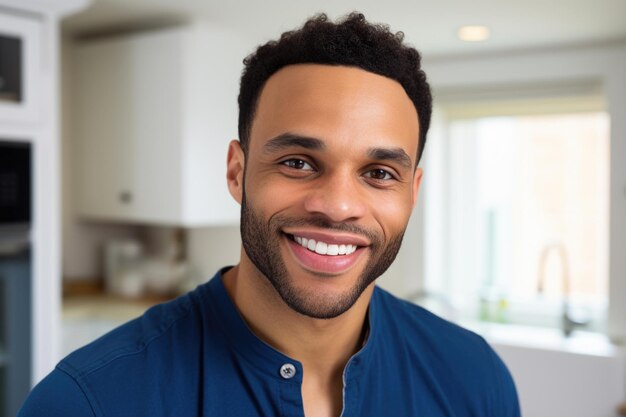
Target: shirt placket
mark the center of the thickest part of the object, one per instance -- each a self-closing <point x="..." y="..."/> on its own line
<point x="290" y="387"/>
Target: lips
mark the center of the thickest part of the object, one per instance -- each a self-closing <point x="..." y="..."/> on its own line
<point x="328" y="254"/>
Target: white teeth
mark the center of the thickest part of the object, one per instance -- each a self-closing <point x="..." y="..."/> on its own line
<point x="324" y="248"/>
<point x="321" y="248"/>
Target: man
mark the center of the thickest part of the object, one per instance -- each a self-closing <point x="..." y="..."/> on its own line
<point x="333" y="121"/>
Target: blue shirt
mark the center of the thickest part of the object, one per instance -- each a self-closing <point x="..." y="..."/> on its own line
<point x="195" y="356"/>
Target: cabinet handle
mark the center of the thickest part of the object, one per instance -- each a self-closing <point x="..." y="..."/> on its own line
<point x="126" y="197"/>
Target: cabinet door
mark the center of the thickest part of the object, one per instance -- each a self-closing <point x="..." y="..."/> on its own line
<point x="155" y="126"/>
<point x="128" y="128"/>
<point x="103" y="151"/>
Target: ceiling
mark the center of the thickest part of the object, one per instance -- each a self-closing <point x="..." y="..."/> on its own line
<point x="429" y="25"/>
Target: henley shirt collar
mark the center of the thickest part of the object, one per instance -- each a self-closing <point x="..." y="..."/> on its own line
<point x="264" y="357"/>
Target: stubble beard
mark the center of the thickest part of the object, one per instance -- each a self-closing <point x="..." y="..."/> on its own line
<point x="261" y="240"/>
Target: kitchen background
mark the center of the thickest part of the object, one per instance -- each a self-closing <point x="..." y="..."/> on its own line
<point x="124" y="110"/>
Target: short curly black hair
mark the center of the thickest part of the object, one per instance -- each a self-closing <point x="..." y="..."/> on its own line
<point x="352" y="41"/>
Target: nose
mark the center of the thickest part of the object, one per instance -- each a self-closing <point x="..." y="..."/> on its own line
<point x="338" y="197"/>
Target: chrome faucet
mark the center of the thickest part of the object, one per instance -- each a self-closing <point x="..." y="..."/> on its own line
<point x="568" y="323"/>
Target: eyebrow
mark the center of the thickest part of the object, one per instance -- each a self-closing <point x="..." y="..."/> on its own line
<point x="391" y="154"/>
<point x="290" y="140"/>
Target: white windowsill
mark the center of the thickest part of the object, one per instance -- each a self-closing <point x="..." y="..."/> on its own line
<point x="579" y="343"/>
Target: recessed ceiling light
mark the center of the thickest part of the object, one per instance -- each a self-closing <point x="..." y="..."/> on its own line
<point x="474" y="33"/>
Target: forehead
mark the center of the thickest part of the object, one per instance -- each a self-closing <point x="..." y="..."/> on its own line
<point x="337" y="104"/>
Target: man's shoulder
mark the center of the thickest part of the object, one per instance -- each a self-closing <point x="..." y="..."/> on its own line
<point x="457" y="360"/>
<point x="434" y="339"/>
<point x="112" y="370"/>
<point x="151" y="331"/>
<point x="126" y="371"/>
<point x="413" y="320"/>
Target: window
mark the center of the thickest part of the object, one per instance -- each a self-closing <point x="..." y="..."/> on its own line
<point x="517" y="221"/>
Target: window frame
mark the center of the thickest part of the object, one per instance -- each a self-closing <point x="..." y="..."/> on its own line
<point x="599" y="65"/>
<point x="534" y="311"/>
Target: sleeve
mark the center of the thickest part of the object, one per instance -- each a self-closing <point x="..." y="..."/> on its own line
<point x="507" y="400"/>
<point x="57" y="395"/>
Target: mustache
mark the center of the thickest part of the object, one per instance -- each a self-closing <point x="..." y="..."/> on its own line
<point x="321" y="222"/>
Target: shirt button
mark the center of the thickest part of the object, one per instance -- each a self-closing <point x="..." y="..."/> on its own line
<point x="287" y="371"/>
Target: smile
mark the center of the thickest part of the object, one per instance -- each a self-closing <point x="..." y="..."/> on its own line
<point x="321" y="252"/>
<point x="323" y="248"/>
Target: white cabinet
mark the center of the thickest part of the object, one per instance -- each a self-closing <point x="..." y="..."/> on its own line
<point x="152" y="120"/>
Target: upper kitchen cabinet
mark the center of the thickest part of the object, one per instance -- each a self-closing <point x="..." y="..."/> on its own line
<point x="152" y="115"/>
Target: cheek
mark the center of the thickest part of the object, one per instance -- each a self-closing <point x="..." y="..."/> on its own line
<point x="392" y="214"/>
<point x="269" y="195"/>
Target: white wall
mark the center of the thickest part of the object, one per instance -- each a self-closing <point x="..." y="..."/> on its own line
<point x="212" y="248"/>
<point x="556" y="383"/>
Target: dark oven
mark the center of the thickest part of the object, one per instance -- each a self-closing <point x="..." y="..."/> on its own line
<point x="15" y="183"/>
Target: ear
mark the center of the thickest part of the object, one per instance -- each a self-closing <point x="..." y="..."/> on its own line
<point x="235" y="164"/>
<point x="417" y="181"/>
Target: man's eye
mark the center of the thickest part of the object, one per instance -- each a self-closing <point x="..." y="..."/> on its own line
<point x="297" y="164"/>
<point x="379" y="174"/>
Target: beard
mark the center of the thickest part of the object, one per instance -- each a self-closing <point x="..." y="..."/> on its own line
<point x="261" y="240"/>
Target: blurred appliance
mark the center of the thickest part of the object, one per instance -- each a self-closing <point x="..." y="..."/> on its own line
<point x="123" y="268"/>
<point x="131" y="272"/>
<point x="15" y="275"/>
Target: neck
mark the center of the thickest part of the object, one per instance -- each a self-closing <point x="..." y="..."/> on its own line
<point x="323" y="346"/>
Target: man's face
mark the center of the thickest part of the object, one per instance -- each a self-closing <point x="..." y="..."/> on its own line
<point x="329" y="183"/>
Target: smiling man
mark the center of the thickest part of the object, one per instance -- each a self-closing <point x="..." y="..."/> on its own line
<point x="333" y="121"/>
